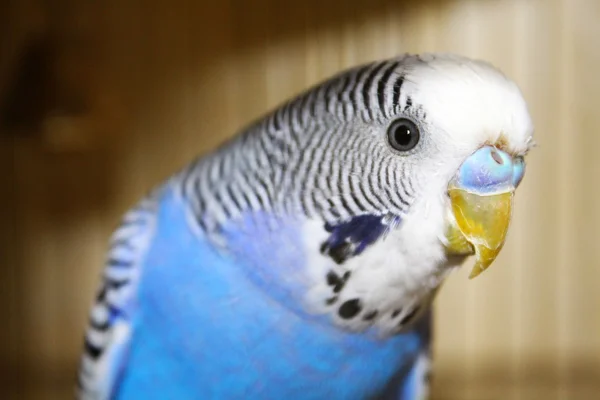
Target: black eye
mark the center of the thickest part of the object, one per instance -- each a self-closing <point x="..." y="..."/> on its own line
<point x="403" y="134"/>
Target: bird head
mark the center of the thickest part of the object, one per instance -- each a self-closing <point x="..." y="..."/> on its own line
<point x="436" y="139"/>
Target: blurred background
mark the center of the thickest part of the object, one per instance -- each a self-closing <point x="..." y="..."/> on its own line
<point x="101" y="100"/>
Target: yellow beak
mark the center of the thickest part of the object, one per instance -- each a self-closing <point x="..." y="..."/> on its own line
<point x="481" y="198"/>
<point x="483" y="222"/>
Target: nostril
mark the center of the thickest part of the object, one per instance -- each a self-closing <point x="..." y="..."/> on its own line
<point x="497" y="157"/>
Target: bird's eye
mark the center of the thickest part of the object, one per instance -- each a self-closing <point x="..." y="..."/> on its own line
<point x="403" y="134"/>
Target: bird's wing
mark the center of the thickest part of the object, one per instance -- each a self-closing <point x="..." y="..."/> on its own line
<point x="108" y="335"/>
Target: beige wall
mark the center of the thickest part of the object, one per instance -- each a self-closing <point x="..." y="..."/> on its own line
<point x="164" y="81"/>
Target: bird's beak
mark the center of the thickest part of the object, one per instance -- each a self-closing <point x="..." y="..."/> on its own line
<point x="481" y="197"/>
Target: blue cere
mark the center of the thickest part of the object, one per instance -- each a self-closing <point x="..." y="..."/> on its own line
<point x="488" y="171"/>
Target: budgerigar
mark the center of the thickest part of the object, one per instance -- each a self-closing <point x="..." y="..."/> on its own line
<point x="299" y="260"/>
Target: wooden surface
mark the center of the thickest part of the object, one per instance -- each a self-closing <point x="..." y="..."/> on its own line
<point x="138" y="88"/>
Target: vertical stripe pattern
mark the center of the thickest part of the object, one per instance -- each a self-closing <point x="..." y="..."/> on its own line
<point x="307" y="156"/>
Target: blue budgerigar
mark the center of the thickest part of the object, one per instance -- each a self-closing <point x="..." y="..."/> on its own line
<point x="299" y="260"/>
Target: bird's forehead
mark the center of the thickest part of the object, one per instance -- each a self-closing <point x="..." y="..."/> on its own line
<point x="472" y="102"/>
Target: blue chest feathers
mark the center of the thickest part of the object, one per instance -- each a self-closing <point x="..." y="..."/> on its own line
<point x="209" y="326"/>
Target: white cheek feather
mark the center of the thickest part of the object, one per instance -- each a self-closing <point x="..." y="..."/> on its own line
<point x="396" y="277"/>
